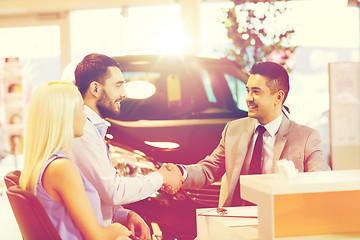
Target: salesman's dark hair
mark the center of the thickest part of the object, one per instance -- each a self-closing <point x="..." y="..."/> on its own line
<point x="276" y="75"/>
<point x="94" y="67"/>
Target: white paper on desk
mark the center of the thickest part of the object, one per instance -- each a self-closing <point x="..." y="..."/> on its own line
<point x="241" y="212"/>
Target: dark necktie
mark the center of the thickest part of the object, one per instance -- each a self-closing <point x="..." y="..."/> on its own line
<point x="255" y="166"/>
<point x="256" y="163"/>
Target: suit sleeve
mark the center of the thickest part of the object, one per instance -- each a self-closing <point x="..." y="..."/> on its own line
<point x="314" y="159"/>
<point x="209" y="169"/>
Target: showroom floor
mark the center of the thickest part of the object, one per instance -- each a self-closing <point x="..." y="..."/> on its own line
<point x="8" y="226"/>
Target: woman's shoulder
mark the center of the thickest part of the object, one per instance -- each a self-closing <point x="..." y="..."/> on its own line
<point x="62" y="162"/>
<point x="61" y="167"/>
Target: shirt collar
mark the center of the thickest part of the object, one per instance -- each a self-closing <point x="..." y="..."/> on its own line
<point x="272" y="127"/>
<point x="93" y="116"/>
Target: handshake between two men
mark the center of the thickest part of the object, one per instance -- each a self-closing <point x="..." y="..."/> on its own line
<point x="173" y="178"/>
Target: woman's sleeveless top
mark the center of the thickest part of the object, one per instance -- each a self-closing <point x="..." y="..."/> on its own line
<point x="57" y="211"/>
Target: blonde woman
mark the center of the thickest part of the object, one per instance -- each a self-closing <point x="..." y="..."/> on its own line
<point x="55" y="117"/>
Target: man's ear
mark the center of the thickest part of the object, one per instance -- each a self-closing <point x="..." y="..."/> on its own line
<point x="280" y="96"/>
<point x="95" y="89"/>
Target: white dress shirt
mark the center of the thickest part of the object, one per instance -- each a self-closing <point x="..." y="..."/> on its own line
<point x="269" y="138"/>
<point x="89" y="153"/>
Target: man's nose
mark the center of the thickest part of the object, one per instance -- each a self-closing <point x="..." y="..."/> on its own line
<point x="123" y="93"/>
<point x="249" y="98"/>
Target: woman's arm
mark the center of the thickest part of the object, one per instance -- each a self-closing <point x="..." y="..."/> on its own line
<point x="63" y="183"/>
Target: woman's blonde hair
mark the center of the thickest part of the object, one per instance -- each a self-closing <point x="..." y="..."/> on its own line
<point x="50" y="127"/>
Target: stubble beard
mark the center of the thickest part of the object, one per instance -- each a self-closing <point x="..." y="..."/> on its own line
<point x="105" y="107"/>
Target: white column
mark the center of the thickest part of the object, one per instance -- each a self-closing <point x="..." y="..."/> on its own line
<point x="65" y="55"/>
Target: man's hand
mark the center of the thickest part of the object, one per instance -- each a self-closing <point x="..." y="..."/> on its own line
<point x="121" y="229"/>
<point x="138" y="226"/>
<point x="173" y="178"/>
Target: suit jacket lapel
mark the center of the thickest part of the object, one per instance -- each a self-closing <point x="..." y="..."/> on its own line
<point x="281" y="140"/>
<point x="243" y="146"/>
<point x="238" y="159"/>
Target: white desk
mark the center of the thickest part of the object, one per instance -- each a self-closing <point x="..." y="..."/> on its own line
<point x="314" y="205"/>
<point x="230" y="228"/>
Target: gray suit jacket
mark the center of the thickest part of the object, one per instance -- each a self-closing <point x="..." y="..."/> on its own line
<point x="294" y="142"/>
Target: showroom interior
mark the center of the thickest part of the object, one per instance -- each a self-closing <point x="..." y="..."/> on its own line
<point x="45" y="40"/>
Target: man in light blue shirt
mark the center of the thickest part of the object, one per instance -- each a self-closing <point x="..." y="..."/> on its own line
<point x="100" y="81"/>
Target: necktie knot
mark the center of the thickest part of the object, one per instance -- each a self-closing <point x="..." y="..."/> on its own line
<point x="261" y="129"/>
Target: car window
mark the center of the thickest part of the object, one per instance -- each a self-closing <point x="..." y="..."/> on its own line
<point x="175" y="96"/>
<point x="225" y="86"/>
<point x="172" y="97"/>
<point x="180" y="90"/>
<point x="238" y="91"/>
<point x="208" y="86"/>
<point x="141" y="76"/>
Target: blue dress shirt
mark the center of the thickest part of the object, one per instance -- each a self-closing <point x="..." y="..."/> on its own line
<point x="90" y="154"/>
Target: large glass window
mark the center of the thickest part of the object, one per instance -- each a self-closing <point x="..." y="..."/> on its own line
<point x="141" y="30"/>
<point x="37" y="47"/>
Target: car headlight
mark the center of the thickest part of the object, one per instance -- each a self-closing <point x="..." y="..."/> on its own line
<point x="130" y="163"/>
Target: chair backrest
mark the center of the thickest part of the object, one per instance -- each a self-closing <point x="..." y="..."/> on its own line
<point x="33" y="221"/>
<point x="12" y="178"/>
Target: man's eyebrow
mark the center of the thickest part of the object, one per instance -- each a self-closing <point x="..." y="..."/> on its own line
<point x="253" y="88"/>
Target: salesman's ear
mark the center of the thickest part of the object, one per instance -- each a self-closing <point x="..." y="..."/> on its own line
<point x="280" y="96"/>
<point x="95" y="89"/>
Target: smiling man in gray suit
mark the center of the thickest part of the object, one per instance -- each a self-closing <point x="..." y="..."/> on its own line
<point x="281" y="138"/>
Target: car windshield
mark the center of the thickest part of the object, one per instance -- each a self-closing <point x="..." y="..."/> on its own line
<point x="170" y="90"/>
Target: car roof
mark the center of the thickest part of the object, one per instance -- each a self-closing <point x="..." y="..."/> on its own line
<point x="130" y="61"/>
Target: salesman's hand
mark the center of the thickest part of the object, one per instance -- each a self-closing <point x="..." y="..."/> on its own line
<point x="173" y="178"/>
<point x="138" y="226"/>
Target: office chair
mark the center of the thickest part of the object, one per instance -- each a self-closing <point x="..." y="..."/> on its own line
<point x="12" y="178"/>
<point x="33" y="221"/>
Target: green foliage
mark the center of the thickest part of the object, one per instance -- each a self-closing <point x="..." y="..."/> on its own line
<point x="259" y="33"/>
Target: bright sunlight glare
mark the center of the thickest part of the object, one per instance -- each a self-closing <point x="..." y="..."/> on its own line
<point x="145" y="30"/>
<point x="171" y="41"/>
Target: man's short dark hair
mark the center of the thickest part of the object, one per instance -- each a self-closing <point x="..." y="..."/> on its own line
<point x="276" y="75"/>
<point x="93" y="67"/>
